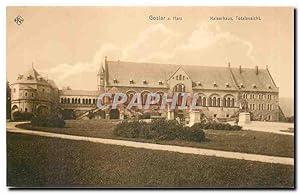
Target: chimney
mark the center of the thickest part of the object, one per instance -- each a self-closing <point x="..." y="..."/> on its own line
<point x="240" y="69"/>
<point x="228" y="64"/>
<point x="267" y="67"/>
<point x="256" y="70"/>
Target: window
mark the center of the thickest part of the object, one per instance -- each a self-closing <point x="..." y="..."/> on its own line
<point x="179" y="88"/>
<point x="131" y="81"/>
<point x="25" y="93"/>
<point x="32" y="95"/>
<point x="160" y="82"/>
<point x="43" y="90"/>
<point x="179" y="77"/>
<point x="25" y="109"/>
<point x="144" y="82"/>
<point x="115" y="81"/>
<point x="270" y="117"/>
<point x="14" y="90"/>
<point x="204" y="101"/>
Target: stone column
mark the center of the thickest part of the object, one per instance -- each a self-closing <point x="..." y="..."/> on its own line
<point x="121" y="115"/>
<point x="170" y="114"/>
<point x="107" y="115"/>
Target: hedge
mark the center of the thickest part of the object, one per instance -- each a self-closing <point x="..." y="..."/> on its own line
<point x="47" y="121"/>
<point x="22" y="116"/>
<point x="158" y="129"/>
<point x="217" y="126"/>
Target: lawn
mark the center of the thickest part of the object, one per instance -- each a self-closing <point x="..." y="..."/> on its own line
<point x="240" y="141"/>
<point x="34" y="161"/>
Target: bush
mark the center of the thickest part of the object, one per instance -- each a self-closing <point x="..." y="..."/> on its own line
<point x="22" y="116"/>
<point x="47" y="121"/>
<point x="217" y="126"/>
<point x="159" y="129"/>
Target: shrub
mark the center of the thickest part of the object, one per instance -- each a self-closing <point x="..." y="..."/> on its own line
<point x="47" y="121"/>
<point x="22" y="116"/>
<point x="159" y="129"/>
<point x="217" y="126"/>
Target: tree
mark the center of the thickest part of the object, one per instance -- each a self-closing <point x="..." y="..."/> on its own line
<point x="8" y="100"/>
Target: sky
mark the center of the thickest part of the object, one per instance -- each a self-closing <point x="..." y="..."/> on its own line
<point x="68" y="44"/>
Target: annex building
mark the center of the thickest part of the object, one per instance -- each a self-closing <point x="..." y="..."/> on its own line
<point x="221" y="90"/>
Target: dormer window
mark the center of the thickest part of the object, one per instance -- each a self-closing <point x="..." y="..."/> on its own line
<point x="160" y="82"/>
<point x="20" y="76"/>
<point x="253" y="85"/>
<point x="199" y="84"/>
<point x="215" y="84"/>
<point x="131" y="81"/>
<point x="115" y="81"/>
<point x="227" y="85"/>
<point x="29" y="77"/>
<point x="144" y="82"/>
<point x="241" y="85"/>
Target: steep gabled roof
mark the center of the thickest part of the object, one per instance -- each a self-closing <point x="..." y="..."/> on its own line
<point x="204" y="77"/>
<point x="123" y="72"/>
<point x="249" y="78"/>
<point x="207" y="76"/>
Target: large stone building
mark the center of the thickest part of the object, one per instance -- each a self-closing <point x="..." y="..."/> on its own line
<point x="221" y="91"/>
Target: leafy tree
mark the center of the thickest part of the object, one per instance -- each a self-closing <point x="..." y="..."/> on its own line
<point x="8" y="100"/>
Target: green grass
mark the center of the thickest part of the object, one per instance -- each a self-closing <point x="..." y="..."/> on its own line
<point x="239" y="141"/>
<point x="34" y="161"/>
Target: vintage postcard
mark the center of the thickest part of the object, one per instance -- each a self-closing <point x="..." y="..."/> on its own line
<point x="150" y="97"/>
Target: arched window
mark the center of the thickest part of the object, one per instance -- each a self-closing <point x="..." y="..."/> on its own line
<point x="232" y="102"/>
<point x="179" y="77"/>
<point x="78" y="100"/>
<point x="62" y="100"/>
<point x="214" y="101"/>
<point x="68" y="100"/>
<point x="204" y="101"/>
<point x="224" y="102"/>
<point x="228" y="102"/>
<point x="179" y="88"/>
<point x="160" y="97"/>
<point x="218" y="102"/>
<point x="144" y="97"/>
<point x="199" y="101"/>
<point x="89" y="101"/>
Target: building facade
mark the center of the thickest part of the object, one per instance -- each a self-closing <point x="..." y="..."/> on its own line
<point x="221" y="91"/>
